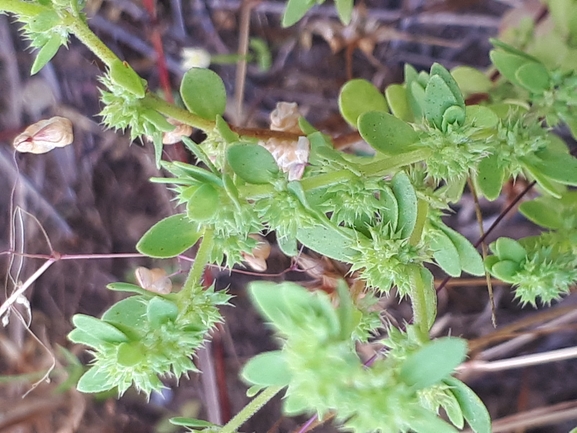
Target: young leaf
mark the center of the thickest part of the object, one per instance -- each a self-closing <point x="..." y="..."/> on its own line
<point x="490" y="177"/>
<point x="543" y="211"/>
<point x="470" y="259"/>
<point x="130" y="288"/>
<point x="204" y="203"/>
<point x="94" y="380"/>
<point x="122" y="74"/>
<point x="48" y="50"/>
<point x="386" y="133"/>
<point x="505" y="270"/>
<point x="533" y="77"/>
<point x="157" y="120"/>
<point x="160" y="311"/>
<point x="471" y="80"/>
<point x="295" y="10"/>
<point x="79" y="336"/>
<point x="560" y="167"/>
<point x="390" y="209"/>
<point x="508" y="64"/>
<point x="438" y="98"/>
<point x="416" y="98"/>
<point x="396" y="95"/>
<point x="445" y="253"/>
<point x="288" y="246"/>
<point x="509" y="249"/>
<point x="128" y="315"/>
<point x="252" y="163"/>
<point x="473" y="408"/>
<point x="169" y="237"/>
<point x="203" y="93"/>
<point x="267" y="369"/>
<point x="360" y="96"/>
<point x="547" y="184"/>
<point x="440" y="71"/>
<point x="99" y="329"/>
<point x="223" y="128"/>
<point x="332" y="243"/>
<point x="130" y="354"/>
<point x="426" y="422"/>
<point x="433" y="362"/>
<point x="407" y="200"/>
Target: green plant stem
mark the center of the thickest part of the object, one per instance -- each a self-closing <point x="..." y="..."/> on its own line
<point x="419" y="304"/>
<point x="77" y="26"/>
<point x="250" y="409"/>
<point x="200" y="261"/>
<point x="177" y="113"/>
<point x="386" y="165"/>
<point x="22" y="8"/>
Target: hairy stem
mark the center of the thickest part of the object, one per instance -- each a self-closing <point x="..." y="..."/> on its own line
<point x="200" y="261"/>
<point x="21" y="8"/>
<point x="250" y="409"/>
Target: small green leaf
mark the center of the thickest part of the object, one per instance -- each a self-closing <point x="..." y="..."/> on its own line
<point x="130" y="288"/>
<point x="426" y="285"/>
<point x="94" y="380"/>
<point x="433" y="362"/>
<point x="129" y="315"/>
<point x="557" y="166"/>
<point x="407" y="201"/>
<point x="509" y="249"/>
<point x="252" y="163"/>
<point x="490" y="177"/>
<point x="508" y="64"/>
<point x="99" y="329"/>
<point x="390" y="208"/>
<point x="267" y="369"/>
<point x="295" y="10"/>
<point x="416" y="98"/>
<point x="130" y="354"/>
<point x="547" y="184"/>
<point x="386" y="133"/>
<point x="204" y="203"/>
<point x="198" y="173"/>
<point x="158" y="120"/>
<point x="445" y="253"/>
<point x="453" y="115"/>
<point x="438" y="98"/>
<point x="332" y="243"/>
<point x="453" y="410"/>
<point x="471" y="260"/>
<point x="345" y="10"/>
<point x="45" y="54"/>
<point x="360" y="96"/>
<point x="203" y="93"/>
<point x="440" y="71"/>
<point x="45" y="21"/>
<point x="124" y="76"/>
<point x="473" y="408"/>
<point x="79" y="336"/>
<point x="533" y="77"/>
<point x="543" y="211"/>
<point x="223" y="128"/>
<point x="169" y="237"/>
<point x="471" y="80"/>
<point x="160" y="311"/>
<point x="505" y="270"/>
<point x="396" y="95"/>
<point x="426" y="422"/>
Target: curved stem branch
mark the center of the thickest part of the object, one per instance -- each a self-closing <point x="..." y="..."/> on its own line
<point x="250" y="409"/>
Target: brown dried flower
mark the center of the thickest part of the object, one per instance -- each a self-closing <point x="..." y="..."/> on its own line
<point x="45" y="135"/>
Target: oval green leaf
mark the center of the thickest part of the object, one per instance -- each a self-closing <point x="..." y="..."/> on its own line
<point x="438" y="98"/>
<point x="543" y="211"/>
<point x="557" y="166"/>
<point x="471" y="405"/>
<point x="130" y="354"/>
<point x="509" y="249"/>
<point x="94" y="380"/>
<point x="470" y="259"/>
<point x="295" y="10"/>
<point x="203" y="93"/>
<point x="332" y="243"/>
<point x="505" y="270"/>
<point x="386" y="133"/>
<point x="471" y="80"/>
<point x="407" y="202"/>
<point x="204" y="203"/>
<point x="48" y="50"/>
<point x="534" y="77"/>
<point x="99" y="329"/>
<point x="160" y="311"/>
<point x="433" y="362"/>
<point x="267" y="369"/>
<point x="252" y="163"/>
<point x="122" y="74"/>
<point x="490" y="177"/>
<point x="169" y="237"/>
<point x="440" y="71"/>
<point x="396" y="95"/>
<point x="445" y="253"/>
<point x="360" y="96"/>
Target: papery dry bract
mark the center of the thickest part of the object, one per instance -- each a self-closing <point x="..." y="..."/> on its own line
<point x="257" y="260"/>
<point x="291" y="156"/>
<point x="45" y="135"/>
<point x="175" y="136"/>
<point x="154" y="280"/>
